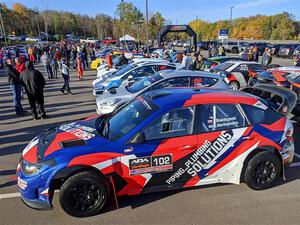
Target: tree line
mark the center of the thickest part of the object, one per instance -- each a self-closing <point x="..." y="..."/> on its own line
<point x="128" y="19"/>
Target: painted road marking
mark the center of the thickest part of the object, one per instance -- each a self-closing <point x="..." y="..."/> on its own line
<point x="297" y="155"/>
<point x="295" y="164"/>
<point x="14" y="195"/>
<point x="10" y="195"/>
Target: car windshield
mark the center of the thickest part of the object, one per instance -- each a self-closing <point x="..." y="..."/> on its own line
<point x="123" y="121"/>
<point x="125" y="69"/>
<point x="141" y="84"/>
<point x="266" y="75"/>
<point x="223" y="66"/>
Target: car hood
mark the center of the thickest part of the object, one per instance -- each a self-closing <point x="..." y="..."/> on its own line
<point x="73" y="135"/>
<point x="121" y="93"/>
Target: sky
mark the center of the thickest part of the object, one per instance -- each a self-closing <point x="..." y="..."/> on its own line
<point x="175" y="11"/>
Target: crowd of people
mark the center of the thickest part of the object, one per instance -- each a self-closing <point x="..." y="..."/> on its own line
<point x="58" y="58"/>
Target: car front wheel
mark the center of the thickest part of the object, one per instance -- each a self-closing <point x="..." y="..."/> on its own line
<point x="262" y="171"/>
<point x="84" y="194"/>
<point x="234" y="85"/>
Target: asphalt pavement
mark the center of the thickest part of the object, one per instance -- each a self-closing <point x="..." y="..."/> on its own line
<point x="216" y="204"/>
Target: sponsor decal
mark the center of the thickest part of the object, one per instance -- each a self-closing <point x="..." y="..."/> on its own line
<point x="178" y="28"/>
<point x="204" y="155"/>
<point x="150" y="164"/>
<point x="82" y="132"/>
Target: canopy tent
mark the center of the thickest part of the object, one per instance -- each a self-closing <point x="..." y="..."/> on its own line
<point x="127" y="37"/>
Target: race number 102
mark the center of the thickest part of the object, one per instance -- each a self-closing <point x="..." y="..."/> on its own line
<point x="161" y="160"/>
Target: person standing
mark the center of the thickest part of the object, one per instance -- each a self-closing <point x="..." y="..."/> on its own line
<point x="79" y="68"/>
<point x="186" y="61"/>
<point x="65" y="75"/>
<point x="54" y="67"/>
<point x="266" y="57"/>
<point x="34" y="83"/>
<point x="109" y="60"/>
<point x="296" y="59"/>
<point x="15" y="85"/>
<point x="20" y="65"/>
<point x="46" y="63"/>
<point x="31" y="54"/>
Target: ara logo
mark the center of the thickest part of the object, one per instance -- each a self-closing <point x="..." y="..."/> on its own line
<point x="142" y="162"/>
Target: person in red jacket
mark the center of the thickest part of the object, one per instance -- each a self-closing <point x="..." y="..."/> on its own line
<point x="79" y="67"/>
<point x="109" y="61"/>
<point x="20" y="66"/>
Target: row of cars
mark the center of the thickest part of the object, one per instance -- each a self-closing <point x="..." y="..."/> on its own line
<point x="279" y="50"/>
<point x="161" y="128"/>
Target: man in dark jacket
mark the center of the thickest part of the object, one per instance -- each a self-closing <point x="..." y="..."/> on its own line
<point x="34" y="83"/>
<point x="15" y="85"/>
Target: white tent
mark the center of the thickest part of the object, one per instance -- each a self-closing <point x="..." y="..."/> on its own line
<point x="127" y="37"/>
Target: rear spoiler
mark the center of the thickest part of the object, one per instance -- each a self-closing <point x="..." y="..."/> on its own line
<point x="280" y="99"/>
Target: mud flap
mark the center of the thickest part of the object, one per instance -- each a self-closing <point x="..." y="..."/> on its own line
<point x="114" y="190"/>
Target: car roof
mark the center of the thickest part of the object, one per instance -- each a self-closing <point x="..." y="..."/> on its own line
<point x="244" y="62"/>
<point x="183" y="73"/>
<point x="163" y="63"/>
<point x="187" y="96"/>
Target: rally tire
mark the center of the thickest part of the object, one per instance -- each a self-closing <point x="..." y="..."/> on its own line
<point x="262" y="171"/>
<point x="234" y="85"/>
<point x="84" y="194"/>
<point x="235" y="50"/>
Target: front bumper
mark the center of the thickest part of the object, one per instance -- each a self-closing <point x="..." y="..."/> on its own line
<point x="36" y="204"/>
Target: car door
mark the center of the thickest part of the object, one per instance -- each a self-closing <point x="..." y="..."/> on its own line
<point x="222" y="137"/>
<point x="157" y="163"/>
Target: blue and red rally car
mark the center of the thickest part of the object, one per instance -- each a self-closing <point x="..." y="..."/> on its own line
<point x="165" y="139"/>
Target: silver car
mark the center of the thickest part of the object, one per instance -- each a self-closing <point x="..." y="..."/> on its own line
<point x="115" y="98"/>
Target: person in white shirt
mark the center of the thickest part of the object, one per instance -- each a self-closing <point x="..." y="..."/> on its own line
<point x="65" y="74"/>
<point x="186" y="61"/>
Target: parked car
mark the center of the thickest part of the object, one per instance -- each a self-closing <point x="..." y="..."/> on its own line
<point x="163" y="79"/>
<point x="297" y="51"/>
<point x="238" y="73"/>
<point x="286" y="51"/>
<point x="232" y="46"/>
<point x="129" y="74"/>
<point x="162" y="140"/>
<point x="286" y="77"/>
<point x="214" y="61"/>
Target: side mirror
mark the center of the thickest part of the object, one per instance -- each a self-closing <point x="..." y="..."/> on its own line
<point x="138" y="138"/>
<point x="130" y="77"/>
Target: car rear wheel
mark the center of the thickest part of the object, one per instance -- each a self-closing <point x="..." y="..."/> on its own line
<point x="234" y="85"/>
<point x="262" y="171"/>
<point x="84" y="194"/>
<point x="235" y="50"/>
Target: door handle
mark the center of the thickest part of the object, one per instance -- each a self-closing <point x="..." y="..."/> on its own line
<point x="248" y="138"/>
<point x="187" y="147"/>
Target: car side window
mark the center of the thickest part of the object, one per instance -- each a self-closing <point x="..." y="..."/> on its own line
<point x="254" y="114"/>
<point x="241" y="68"/>
<point x="221" y="117"/>
<point x="203" y="81"/>
<point x="142" y="71"/>
<point x="178" y="122"/>
<point x="173" y="82"/>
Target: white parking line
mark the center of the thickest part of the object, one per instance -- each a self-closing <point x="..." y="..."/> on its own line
<point x="10" y="195"/>
<point x="295" y="164"/>
<point x="297" y="155"/>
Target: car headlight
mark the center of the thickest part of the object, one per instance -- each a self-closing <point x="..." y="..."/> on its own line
<point x="110" y="102"/>
<point x="98" y="85"/>
<point x="29" y="168"/>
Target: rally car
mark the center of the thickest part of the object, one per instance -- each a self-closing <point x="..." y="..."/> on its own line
<point x="238" y="73"/>
<point x="287" y="77"/>
<point x="162" y="140"/>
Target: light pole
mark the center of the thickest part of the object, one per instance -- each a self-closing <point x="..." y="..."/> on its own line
<point x="231" y="7"/>
<point x="3" y="27"/>
<point x="123" y="23"/>
<point x="147" y="27"/>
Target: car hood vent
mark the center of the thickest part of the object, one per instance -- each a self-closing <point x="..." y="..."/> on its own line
<point x="72" y="143"/>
